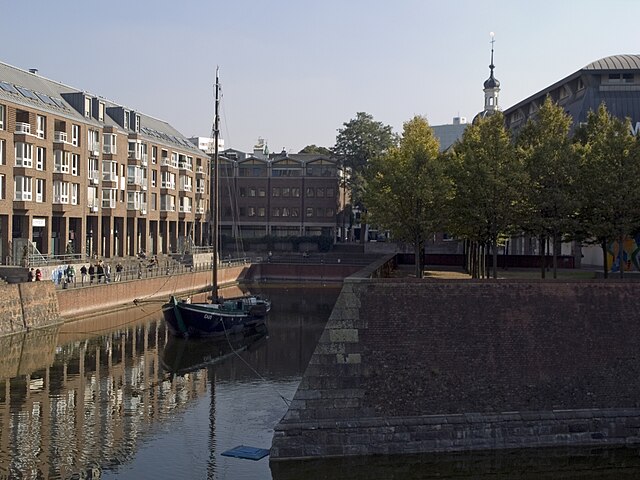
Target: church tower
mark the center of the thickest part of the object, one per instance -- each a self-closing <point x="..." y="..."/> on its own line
<point x="491" y="90"/>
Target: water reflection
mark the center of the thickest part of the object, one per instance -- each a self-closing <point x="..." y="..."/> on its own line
<point x="93" y="400"/>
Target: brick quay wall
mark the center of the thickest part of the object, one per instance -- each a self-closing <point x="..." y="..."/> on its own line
<point x="415" y="366"/>
<point x="27" y="306"/>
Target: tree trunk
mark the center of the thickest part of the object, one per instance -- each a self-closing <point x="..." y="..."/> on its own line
<point x="474" y="259"/>
<point x="495" y="258"/>
<point x="605" y="265"/>
<point x="555" y="254"/>
<point x="621" y="254"/>
<point x="418" y="259"/>
<point x="543" y="263"/>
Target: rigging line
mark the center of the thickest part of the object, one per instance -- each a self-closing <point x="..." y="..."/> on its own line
<point x="286" y="401"/>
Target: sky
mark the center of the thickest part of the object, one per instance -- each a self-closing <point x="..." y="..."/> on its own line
<point x="293" y="72"/>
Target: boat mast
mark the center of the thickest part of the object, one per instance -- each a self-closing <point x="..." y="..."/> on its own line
<point x="214" y="191"/>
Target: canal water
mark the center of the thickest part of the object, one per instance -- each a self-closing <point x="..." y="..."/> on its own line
<point x="116" y="397"/>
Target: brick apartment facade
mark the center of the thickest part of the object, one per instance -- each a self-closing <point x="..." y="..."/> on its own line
<point x="81" y="174"/>
<point x="278" y="194"/>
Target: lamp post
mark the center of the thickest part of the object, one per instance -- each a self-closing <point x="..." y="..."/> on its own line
<point x="90" y="243"/>
<point x="116" y="241"/>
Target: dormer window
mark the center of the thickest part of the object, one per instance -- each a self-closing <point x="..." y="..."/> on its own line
<point x="137" y="129"/>
<point x="101" y="111"/>
<point x="87" y="107"/>
<point x="580" y="84"/>
<point x="126" y="120"/>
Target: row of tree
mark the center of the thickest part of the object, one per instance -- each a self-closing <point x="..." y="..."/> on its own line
<point x="543" y="182"/>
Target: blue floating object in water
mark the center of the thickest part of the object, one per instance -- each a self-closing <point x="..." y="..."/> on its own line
<point x="251" y="453"/>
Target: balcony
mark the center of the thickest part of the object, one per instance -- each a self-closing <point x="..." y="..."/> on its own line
<point x="165" y="162"/>
<point x="168" y="185"/>
<point x="185" y="166"/>
<point x="109" y="149"/>
<point x="200" y="170"/>
<point x="109" y="177"/>
<point x="199" y="189"/>
<point x="22" y="127"/>
<point x="61" y="199"/>
<point x="108" y="203"/>
<point x="60" y="137"/>
<point x="185" y="188"/>
<point x="185" y="209"/>
<point x="200" y="210"/>
<point x="94" y="150"/>
<point x="93" y="206"/>
<point x="144" y="160"/>
<point x="167" y="208"/>
<point x="94" y="177"/>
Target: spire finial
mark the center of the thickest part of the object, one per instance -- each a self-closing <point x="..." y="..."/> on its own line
<point x="493" y="40"/>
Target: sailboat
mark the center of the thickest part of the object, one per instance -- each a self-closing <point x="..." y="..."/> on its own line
<point x="220" y="316"/>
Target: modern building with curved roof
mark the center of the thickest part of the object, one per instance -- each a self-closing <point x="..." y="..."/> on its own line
<point x="614" y="80"/>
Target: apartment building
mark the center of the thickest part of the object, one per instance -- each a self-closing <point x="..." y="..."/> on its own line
<point x="81" y="174"/>
<point x="278" y="194"/>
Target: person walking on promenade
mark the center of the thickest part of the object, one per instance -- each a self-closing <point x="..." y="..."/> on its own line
<point x="31" y="276"/>
<point x="38" y="275"/>
<point x="118" y="272"/>
<point x="83" y="272"/>
<point x="92" y="273"/>
<point x="100" y="271"/>
<point x="107" y="273"/>
<point x="71" y="274"/>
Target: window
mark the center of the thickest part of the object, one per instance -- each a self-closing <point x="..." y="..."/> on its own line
<point x="286" y="191"/>
<point x="41" y="126"/>
<point x="101" y="111"/>
<point x="275" y="192"/>
<point x="285" y="211"/>
<point x="3" y="188"/>
<point x="3" y="111"/>
<point x="319" y="212"/>
<point x="320" y="192"/>
<point x="75" y="164"/>
<point x="60" y="192"/>
<point x="295" y="192"/>
<point x="39" y="190"/>
<point x="87" y="107"/>
<point x="154" y="178"/>
<point x="75" y="193"/>
<point x="61" y="161"/>
<point x="154" y="201"/>
<point x="137" y="123"/>
<point x="251" y="211"/>
<point x="330" y="192"/>
<point x="262" y="192"/>
<point x="242" y="191"/>
<point x="41" y="158"/>
<point x="330" y="212"/>
<point x="627" y="77"/>
<point x="310" y="193"/>
<point x="24" y="155"/>
<point x="126" y="120"/>
<point x="22" y="188"/>
<point x="93" y="138"/>
<point x="295" y="212"/>
<point x="261" y="211"/>
<point x="3" y="160"/>
<point x="154" y="154"/>
<point x="275" y="212"/>
<point x="252" y="191"/>
<point x="109" y="144"/>
<point x="75" y="135"/>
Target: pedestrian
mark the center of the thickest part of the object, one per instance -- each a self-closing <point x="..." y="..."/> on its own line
<point x="107" y="273"/>
<point x="71" y="274"/>
<point x="38" y="275"/>
<point x="100" y="271"/>
<point x="83" y="272"/>
<point x="31" y="275"/>
<point x="118" y="271"/>
<point x="92" y="273"/>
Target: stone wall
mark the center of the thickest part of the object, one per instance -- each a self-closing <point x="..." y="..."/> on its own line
<point x="27" y="306"/>
<point x="422" y="366"/>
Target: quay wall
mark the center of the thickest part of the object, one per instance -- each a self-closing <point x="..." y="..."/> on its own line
<point x="103" y="298"/>
<point x="27" y="306"/>
<point x="416" y="366"/>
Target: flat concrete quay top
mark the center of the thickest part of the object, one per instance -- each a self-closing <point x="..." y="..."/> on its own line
<point x="426" y="366"/>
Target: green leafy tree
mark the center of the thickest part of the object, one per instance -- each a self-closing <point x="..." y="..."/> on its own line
<point x="316" y="150"/>
<point x="487" y="177"/>
<point x="406" y="188"/>
<point x="609" y="181"/>
<point x="359" y="141"/>
<point x="551" y="166"/>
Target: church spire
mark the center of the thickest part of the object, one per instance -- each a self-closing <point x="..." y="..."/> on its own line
<point x="491" y="85"/>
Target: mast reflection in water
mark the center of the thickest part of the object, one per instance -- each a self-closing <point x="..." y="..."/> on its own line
<point x="117" y="397"/>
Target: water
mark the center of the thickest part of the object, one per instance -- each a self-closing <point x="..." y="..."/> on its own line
<point x="117" y="397"/>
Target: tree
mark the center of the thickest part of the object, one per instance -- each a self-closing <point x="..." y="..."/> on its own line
<point x="488" y="179"/>
<point x="406" y="188"/>
<point x="609" y="182"/>
<point x="551" y="166"/>
<point x="316" y="150"/>
<point x="358" y="142"/>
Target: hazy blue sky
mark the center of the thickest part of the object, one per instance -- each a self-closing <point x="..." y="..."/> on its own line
<point x="294" y="71"/>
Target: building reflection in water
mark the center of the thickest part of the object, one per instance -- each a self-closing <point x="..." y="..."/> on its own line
<point x="79" y="399"/>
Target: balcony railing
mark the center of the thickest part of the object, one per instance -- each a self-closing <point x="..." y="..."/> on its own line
<point x="109" y="149"/>
<point x="93" y="206"/>
<point x="199" y="189"/>
<point x="199" y="169"/>
<point x="185" y="188"/>
<point x="108" y="203"/>
<point x="59" y="137"/>
<point x="109" y="177"/>
<point x="22" y="127"/>
<point x="199" y="209"/>
<point x="169" y="185"/>
<point x="167" y="208"/>
<point x="185" y="166"/>
<point x="185" y="209"/>
<point x="94" y="177"/>
<point x="165" y="162"/>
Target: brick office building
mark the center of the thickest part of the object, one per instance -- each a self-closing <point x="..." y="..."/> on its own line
<point x="278" y="194"/>
<point x="82" y="174"/>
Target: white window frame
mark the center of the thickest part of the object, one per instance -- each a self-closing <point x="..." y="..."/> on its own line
<point x="75" y="193"/>
<point x="75" y="135"/>
<point x="2" y="150"/>
<point x="3" y="111"/>
<point x="23" y="188"/>
<point x="154" y="177"/>
<point x="24" y="154"/>
<point x="61" y="161"/>
<point x="60" y="192"/>
<point x="75" y="164"/>
<point x="40" y="190"/>
<point x="3" y="189"/>
<point x="41" y="126"/>
<point x="41" y="158"/>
